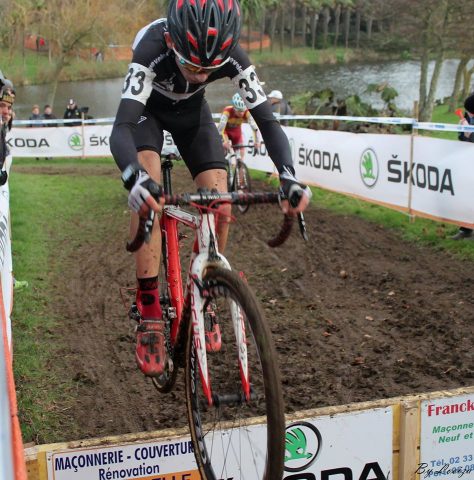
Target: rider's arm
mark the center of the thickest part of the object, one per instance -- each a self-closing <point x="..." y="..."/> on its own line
<point x="243" y="74"/>
<point x="253" y="126"/>
<point x="122" y="144"/>
<point x="136" y="90"/>
<point x="223" y="123"/>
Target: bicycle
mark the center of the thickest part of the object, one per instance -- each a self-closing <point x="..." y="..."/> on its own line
<point x="216" y="330"/>
<point x="238" y="175"/>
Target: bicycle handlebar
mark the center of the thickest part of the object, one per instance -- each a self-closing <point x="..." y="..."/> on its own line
<point x="207" y="198"/>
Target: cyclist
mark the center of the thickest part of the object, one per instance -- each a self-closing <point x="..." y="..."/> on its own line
<point x="174" y="59"/>
<point x="230" y="124"/>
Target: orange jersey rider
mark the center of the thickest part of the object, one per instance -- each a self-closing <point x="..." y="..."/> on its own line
<point x="230" y="125"/>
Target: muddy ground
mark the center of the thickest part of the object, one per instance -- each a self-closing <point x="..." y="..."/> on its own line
<point x="357" y="314"/>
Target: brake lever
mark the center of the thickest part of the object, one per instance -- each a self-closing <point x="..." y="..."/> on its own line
<point x="302" y="225"/>
<point x="294" y="201"/>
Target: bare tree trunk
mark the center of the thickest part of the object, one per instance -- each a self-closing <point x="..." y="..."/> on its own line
<point x="292" y="24"/>
<point x="357" y="28"/>
<point x="326" y="20"/>
<point x="425" y="115"/>
<point x="249" y="31"/>
<point x="337" y="20"/>
<point x="304" y="24"/>
<point x="347" y="26"/>
<point x="370" y="23"/>
<point x="282" y="27"/>
<point x="262" y="28"/>
<point x="60" y="62"/>
<point x="314" y="28"/>
<point x="427" y="110"/>
<point x="454" y="99"/>
<point x="467" y="75"/>
<point x="273" y="22"/>
<point x="424" y="78"/>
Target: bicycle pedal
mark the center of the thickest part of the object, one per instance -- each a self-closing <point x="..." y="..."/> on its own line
<point x="133" y="313"/>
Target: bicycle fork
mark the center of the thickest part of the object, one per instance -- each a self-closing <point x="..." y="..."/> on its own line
<point x="198" y="294"/>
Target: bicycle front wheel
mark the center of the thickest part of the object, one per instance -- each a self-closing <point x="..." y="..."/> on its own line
<point x="242" y="183"/>
<point x="240" y="436"/>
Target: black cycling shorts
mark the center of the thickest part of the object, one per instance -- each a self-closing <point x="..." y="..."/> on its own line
<point x="193" y="130"/>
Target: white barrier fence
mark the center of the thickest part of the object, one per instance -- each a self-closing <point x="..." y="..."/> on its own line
<point x="405" y="438"/>
<point x="422" y="176"/>
<point x="8" y="419"/>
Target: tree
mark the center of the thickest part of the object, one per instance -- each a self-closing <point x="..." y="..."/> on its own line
<point x="73" y="26"/>
<point x="433" y="25"/>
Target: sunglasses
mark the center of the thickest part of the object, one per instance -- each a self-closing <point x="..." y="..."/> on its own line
<point x="191" y="67"/>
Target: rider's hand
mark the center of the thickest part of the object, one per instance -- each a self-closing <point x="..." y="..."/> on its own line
<point x="145" y="193"/>
<point x="296" y="194"/>
<point x="226" y="145"/>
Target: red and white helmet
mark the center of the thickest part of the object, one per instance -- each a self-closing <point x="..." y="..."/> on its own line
<point x="204" y="31"/>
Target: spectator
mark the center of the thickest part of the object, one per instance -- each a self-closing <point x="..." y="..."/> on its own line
<point x="7" y="97"/>
<point x="279" y="105"/>
<point x="72" y="112"/>
<point x="35" y="115"/>
<point x="466" y="233"/>
<point x="49" y="115"/>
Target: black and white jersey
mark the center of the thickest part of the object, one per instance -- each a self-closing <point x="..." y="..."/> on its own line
<point x="154" y="81"/>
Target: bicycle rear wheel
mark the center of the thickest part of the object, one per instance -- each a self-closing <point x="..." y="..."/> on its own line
<point x="242" y="183"/>
<point x="236" y="438"/>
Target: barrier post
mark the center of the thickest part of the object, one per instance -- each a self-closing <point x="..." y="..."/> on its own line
<point x="412" y="148"/>
<point x="409" y="440"/>
<point x="83" y="131"/>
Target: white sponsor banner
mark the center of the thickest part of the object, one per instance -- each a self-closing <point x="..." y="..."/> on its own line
<point x="375" y="167"/>
<point x="89" y="141"/>
<point x="443" y="177"/>
<point x="356" y="445"/>
<point x="144" y="461"/>
<point x="447" y="438"/>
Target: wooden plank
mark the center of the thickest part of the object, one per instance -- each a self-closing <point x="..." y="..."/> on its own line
<point x="409" y="457"/>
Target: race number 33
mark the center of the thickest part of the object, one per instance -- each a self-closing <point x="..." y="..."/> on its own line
<point x="250" y="88"/>
<point x="137" y="84"/>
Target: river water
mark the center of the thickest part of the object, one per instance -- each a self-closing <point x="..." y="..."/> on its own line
<point x="102" y="96"/>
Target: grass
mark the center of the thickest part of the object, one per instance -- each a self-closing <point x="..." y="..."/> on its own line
<point x="41" y="205"/>
<point x="78" y="208"/>
<point x="441" y="115"/>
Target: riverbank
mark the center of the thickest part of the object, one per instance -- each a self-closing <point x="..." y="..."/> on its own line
<point x="34" y="68"/>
